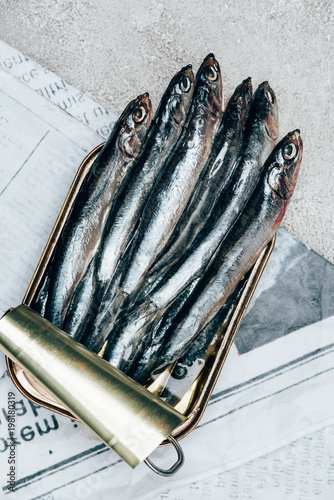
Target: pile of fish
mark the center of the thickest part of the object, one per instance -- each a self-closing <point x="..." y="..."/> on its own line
<point x="175" y="210"/>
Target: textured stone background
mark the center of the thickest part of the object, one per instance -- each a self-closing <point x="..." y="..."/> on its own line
<point x="115" y="50"/>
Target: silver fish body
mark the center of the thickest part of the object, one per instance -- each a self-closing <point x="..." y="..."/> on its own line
<point x="180" y="277"/>
<point x="81" y="235"/>
<point x="252" y="232"/>
<point x="260" y="134"/>
<point x="218" y="173"/>
<point x="80" y="310"/>
<point x="139" y="335"/>
<point x="204" y="344"/>
<point x="127" y="208"/>
<point x="173" y="189"/>
<point x="259" y="137"/>
<point x="196" y="356"/>
<point x="171" y="193"/>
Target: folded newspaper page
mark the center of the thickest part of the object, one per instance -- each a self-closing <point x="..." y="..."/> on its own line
<point x="56" y="90"/>
<point x="275" y="387"/>
<point x="303" y="469"/>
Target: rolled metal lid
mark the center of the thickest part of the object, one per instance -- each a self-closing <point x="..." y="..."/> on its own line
<point x="122" y="413"/>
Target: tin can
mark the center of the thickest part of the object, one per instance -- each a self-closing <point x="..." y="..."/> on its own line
<point x="193" y="402"/>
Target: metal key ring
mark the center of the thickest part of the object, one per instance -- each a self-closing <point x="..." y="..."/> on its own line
<point x="178" y="464"/>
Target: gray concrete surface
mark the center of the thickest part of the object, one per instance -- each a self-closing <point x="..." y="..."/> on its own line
<point x="116" y="50"/>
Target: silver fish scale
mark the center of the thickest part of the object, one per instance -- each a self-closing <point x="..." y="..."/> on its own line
<point x="125" y="213"/>
<point x="164" y="216"/>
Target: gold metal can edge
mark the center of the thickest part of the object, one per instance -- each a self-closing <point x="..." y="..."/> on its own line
<point x="35" y="393"/>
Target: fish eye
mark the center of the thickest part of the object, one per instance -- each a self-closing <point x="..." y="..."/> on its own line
<point x="269" y="96"/>
<point x="139" y="114"/>
<point x="185" y="84"/>
<point x="210" y="73"/>
<point x="289" y="151"/>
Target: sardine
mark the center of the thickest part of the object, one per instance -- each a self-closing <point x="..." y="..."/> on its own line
<point x="260" y="133"/>
<point x="80" y="309"/>
<point x="170" y="196"/>
<point x="81" y="235"/>
<point x="236" y="255"/>
<point x="171" y="193"/>
<point x="205" y="344"/>
<point x="219" y="170"/>
<point x="139" y="335"/>
<point x="157" y="326"/>
<point x="86" y="308"/>
<point x="201" y="352"/>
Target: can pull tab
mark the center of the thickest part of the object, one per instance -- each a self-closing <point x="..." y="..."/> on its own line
<point x="178" y="464"/>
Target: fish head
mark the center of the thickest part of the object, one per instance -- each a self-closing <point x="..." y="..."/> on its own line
<point x="136" y="120"/>
<point x="179" y="94"/>
<point x="242" y="97"/>
<point x="265" y="101"/>
<point x="283" y="170"/>
<point x="208" y="86"/>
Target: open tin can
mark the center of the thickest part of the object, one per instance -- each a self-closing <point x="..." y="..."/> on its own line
<point x="192" y="400"/>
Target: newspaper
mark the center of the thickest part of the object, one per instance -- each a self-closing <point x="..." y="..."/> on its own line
<point x="276" y="385"/>
<point x="304" y="469"/>
<point x="55" y="89"/>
